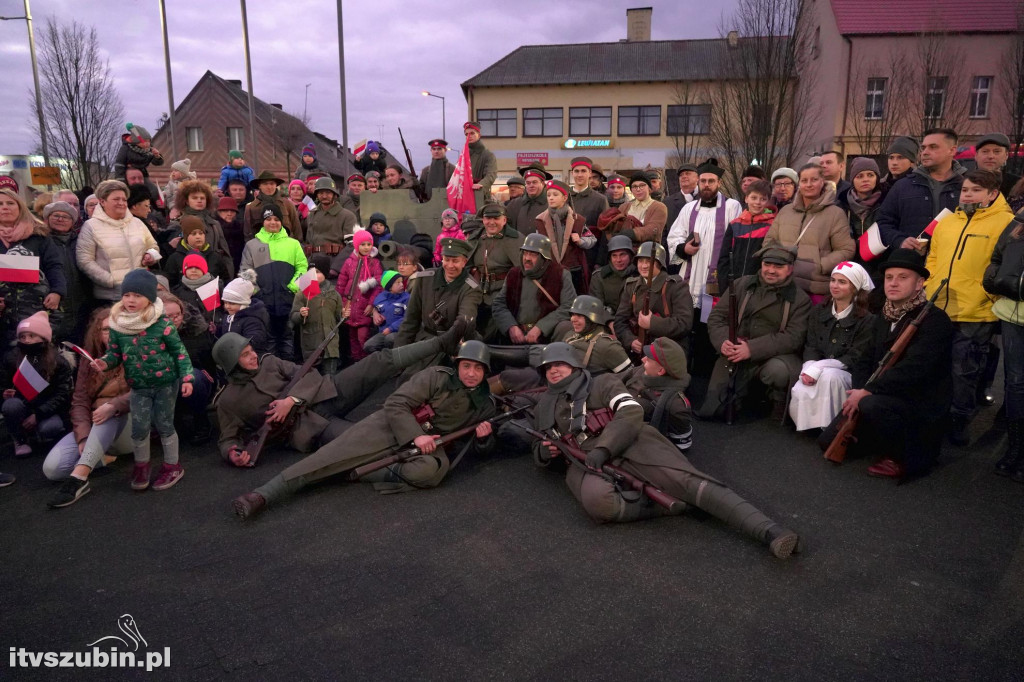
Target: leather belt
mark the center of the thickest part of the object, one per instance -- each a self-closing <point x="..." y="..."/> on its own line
<point x="328" y="248"/>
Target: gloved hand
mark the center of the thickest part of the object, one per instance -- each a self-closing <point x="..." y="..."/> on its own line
<point x="597" y="458"/>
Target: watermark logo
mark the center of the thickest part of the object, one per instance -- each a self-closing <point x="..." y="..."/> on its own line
<point x="117" y="652"/>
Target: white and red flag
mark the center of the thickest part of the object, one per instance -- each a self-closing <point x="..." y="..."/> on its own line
<point x="870" y="244"/>
<point x="19" y="269"/>
<point x="927" y="232"/>
<point x="78" y="349"/>
<point x="460" y="187"/>
<point x="209" y="294"/>
<point x="359" y="148"/>
<point x="28" y="381"/>
<point x="308" y="284"/>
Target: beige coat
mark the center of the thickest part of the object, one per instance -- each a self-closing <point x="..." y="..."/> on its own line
<point x="108" y="249"/>
<point x="825" y="244"/>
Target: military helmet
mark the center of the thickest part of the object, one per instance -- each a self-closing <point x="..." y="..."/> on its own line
<point x="659" y="252"/>
<point x="560" y="352"/>
<point x="591" y="308"/>
<point x="228" y="349"/>
<point x="477" y="351"/>
<point x="325" y="183"/>
<point x="537" y="243"/>
<point x="621" y="242"/>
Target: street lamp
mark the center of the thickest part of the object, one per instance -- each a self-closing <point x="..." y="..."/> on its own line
<point x="35" y="78"/>
<point x="444" y="133"/>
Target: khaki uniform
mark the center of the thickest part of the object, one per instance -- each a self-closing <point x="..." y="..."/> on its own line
<point x="671" y="306"/>
<point x="329" y="226"/>
<point x="665" y="405"/>
<point x="607" y="284"/>
<point x="492" y="258"/>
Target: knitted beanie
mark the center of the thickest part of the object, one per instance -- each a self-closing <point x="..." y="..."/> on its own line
<point x="309" y="150"/>
<point x="861" y="164"/>
<point x="321" y="262"/>
<point x="190" y="224"/>
<point x="387" y="278"/>
<point x="60" y="207"/>
<point x="450" y="213"/>
<point x="194" y="260"/>
<point x="361" y="237"/>
<point x="38" y="324"/>
<point x="238" y="290"/>
<point x="140" y="281"/>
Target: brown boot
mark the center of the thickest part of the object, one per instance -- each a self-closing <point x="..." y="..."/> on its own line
<point x="248" y="505"/>
<point x="782" y="542"/>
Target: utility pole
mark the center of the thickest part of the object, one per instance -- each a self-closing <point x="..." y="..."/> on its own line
<point x="170" y="86"/>
<point x="341" y="64"/>
<point x="305" y="103"/>
<point x="248" y="76"/>
<point x="35" y="78"/>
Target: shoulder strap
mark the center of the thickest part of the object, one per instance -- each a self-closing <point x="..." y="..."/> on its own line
<point x="786" y="305"/>
<point x="545" y="292"/>
<point x="590" y="349"/>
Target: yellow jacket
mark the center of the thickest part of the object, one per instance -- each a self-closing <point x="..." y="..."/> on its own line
<point x="961" y="249"/>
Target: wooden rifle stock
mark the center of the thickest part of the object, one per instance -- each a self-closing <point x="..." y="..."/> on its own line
<point x="412" y="451"/>
<point x="421" y="194"/>
<point x="254" y="446"/>
<point x="646" y="309"/>
<point x="836" y="451"/>
<point x="568" y="447"/>
<point x="734" y="323"/>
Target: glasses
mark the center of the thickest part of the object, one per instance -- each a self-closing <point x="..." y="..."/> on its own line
<point x="786" y="183"/>
<point x="637" y="186"/>
<point x="405" y="263"/>
<point x="60" y="216"/>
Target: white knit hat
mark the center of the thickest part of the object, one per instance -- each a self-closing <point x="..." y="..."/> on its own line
<point x="785" y="173"/>
<point x="185" y="168"/>
<point x="239" y="290"/>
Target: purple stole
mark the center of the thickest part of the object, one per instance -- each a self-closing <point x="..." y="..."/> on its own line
<point x="719" y="235"/>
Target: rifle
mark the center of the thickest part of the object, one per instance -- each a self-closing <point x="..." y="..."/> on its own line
<point x="641" y="333"/>
<point x="567" y="446"/>
<point x="734" y="322"/>
<point x="417" y="188"/>
<point x="836" y="451"/>
<point x="413" y="451"/>
<point x="254" y="446"/>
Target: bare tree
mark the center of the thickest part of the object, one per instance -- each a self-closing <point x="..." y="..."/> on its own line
<point x="873" y="130"/>
<point x="761" y="112"/>
<point x="1012" y="94"/>
<point x="82" y="109"/>
<point x="685" y="134"/>
<point x="939" y="68"/>
<point x="291" y="133"/>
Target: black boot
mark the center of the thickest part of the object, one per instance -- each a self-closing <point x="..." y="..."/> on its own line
<point x="513" y="356"/>
<point x="1009" y="461"/>
<point x="452" y="338"/>
<point x="958" y="431"/>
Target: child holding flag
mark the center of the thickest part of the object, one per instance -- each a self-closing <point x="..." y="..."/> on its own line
<point x="42" y="386"/>
<point x="198" y="287"/>
<point x="359" y="284"/>
<point x="316" y="311"/>
<point x="155" y="360"/>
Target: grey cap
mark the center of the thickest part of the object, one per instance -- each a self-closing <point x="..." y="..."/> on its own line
<point x="516" y="180"/>
<point x="777" y="254"/>
<point x="993" y="138"/>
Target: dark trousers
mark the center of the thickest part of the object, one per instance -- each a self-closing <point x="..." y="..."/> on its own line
<point x="1013" y="369"/>
<point x="970" y="356"/>
<point x="15" y="411"/>
<point x="282" y="341"/>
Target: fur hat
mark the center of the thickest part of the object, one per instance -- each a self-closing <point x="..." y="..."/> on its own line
<point x="240" y="289"/>
<point x="194" y="260"/>
<point x="60" y="207"/>
<point x="185" y="168"/>
<point x="140" y="281"/>
<point x="38" y="324"/>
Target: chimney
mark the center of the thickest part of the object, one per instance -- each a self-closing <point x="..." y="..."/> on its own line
<point x="277" y="106"/>
<point x="236" y="83"/>
<point x="733" y="39"/>
<point x="638" y="24"/>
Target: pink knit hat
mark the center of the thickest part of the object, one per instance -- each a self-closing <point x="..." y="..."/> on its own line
<point x="360" y="237"/>
<point x="297" y="183"/>
<point x="38" y="324"/>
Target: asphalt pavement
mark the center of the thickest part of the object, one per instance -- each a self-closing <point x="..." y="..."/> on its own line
<point x="499" y="575"/>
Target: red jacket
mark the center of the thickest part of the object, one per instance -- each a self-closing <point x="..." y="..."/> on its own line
<point x="349" y="287"/>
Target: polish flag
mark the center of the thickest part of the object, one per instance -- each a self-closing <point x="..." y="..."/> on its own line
<point x="870" y="244"/>
<point x="78" y="349"/>
<point x="209" y="294"/>
<point x="935" y="221"/>
<point x="308" y="283"/>
<point x="28" y="381"/>
<point x="19" y="269"/>
<point x="460" y="187"/>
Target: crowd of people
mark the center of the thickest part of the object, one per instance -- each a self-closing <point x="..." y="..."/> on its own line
<point x="589" y="321"/>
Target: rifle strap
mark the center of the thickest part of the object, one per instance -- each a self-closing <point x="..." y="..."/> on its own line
<point x="590" y="350"/>
<point x="786" y="307"/>
<point x="545" y="292"/>
<point x="462" y="453"/>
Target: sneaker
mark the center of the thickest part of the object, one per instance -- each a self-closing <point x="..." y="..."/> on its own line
<point x="140" y="476"/>
<point x="69" y="493"/>
<point x="169" y="475"/>
<point x="6" y="479"/>
<point x="22" y="449"/>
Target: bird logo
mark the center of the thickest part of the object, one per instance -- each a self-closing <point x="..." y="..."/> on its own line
<point x="126" y="623"/>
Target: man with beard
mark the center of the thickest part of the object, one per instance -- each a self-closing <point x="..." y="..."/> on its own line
<point x="599" y="416"/>
<point x="328" y="222"/>
<point x="687" y="192"/>
<point x="770" y="332"/>
<point x="671" y="309"/>
<point x="524" y="210"/>
<point x="607" y="282"/>
<point x="439" y="172"/>
<point x="483" y="162"/>
<point x="456" y="398"/>
<point x="536" y="295"/>
<point x="495" y="251"/>
<point x="516" y="188"/>
<point x="695" y="242"/>
<point x="350" y="199"/>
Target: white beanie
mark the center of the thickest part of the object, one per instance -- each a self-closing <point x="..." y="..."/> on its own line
<point x="239" y="290"/>
<point x="785" y="173"/>
<point x="185" y="168"/>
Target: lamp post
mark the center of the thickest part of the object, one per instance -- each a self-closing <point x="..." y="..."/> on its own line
<point x="170" y="86"/>
<point x="35" y="78"/>
<point x="248" y="76"/>
<point x="305" y="103"/>
<point x="444" y="133"/>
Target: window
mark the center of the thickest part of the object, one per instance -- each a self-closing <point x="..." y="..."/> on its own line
<point x="194" y="137"/>
<point x="640" y="120"/>
<point x="542" y="122"/>
<point x="235" y="139"/>
<point x="935" y="97"/>
<point x="980" y="89"/>
<point x="688" y="119"/>
<point x="874" y="108"/>
<point x="590" y="121"/>
<point x="497" y="122"/>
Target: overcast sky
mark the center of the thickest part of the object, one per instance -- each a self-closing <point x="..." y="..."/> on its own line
<point x="394" y="49"/>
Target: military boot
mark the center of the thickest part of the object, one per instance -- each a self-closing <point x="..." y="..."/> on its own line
<point x="447" y="343"/>
<point x="782" y="542"/>
<point x="1013" y="457"/>
<point x="511" y="356"/>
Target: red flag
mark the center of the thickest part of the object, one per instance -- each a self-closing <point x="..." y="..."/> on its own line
<point x="460" y="187"/>
<point x="29" y="381"/>
<point x="308" y="284"/>
<point x="935" y="221"/>
<point x="870" y="244"/>
<point x="209" y="294"/>
<point x="19" y="269"/>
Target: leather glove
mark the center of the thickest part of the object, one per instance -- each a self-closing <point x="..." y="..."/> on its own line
<point x="597" y="457"/>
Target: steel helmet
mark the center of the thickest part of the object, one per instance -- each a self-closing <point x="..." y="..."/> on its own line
<point x="477" y="351"/>
<point x="325" y="183"/>
<point x="228" y="349"/>
<point x="591" y="308"/>
<point x="537" y="243"/>
<point x="621" y="242"/>
<point x="560" y="352"/>
<point x="659" y="252"/>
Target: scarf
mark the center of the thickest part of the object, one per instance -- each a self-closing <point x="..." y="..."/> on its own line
<point x="19" y="231"/>
<point x="301" y="207"/>
<point x="133" y="323"/>
<point x="573" y="389"/>
<point x="895" y="312"/>
<point x="267" y="198"/>
<point x="194" y="284"/>
<point x="558" y="216"/>
<point x="860" y="207"/>
<point x="436" y="174"/>
<point x="240" y="376"/>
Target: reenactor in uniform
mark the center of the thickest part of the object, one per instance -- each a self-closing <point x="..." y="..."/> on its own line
<point x="536" y="295"/>
<point x="495" y="251"/>
<point x="436" y="401"/>
<point x="516" y="188"/>
<point x="771" y="328"/>
<point x="328" y="222"/>
<point x="350" y="199"/>
<point x="524" y="210"/>
<point x="437" y="297"/>
<point x="659" y="385"/>
<point x="607" y="282"/>
<point x="600" y="417"/>
<point x="482" y="161"/>
<point x="439" y="172"/>
<point x="671" y="306"/>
